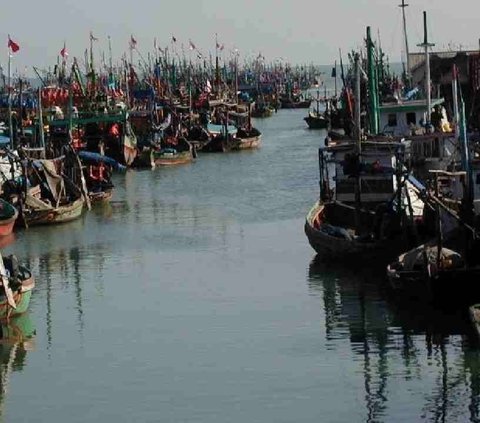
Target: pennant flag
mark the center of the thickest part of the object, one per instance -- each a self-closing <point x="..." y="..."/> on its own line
<point x="174" y="39"/>
<point x="192" y="46"/>
<point x="12" y="45"/>
<point x="220" y="46"/>
<point x="133" y="42"/>
<point x="92" y="38"/>
<point x="64" y="52"/>
<point x="208" y="87"/>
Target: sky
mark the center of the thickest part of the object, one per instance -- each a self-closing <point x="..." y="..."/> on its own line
<point x="294" y="31"/>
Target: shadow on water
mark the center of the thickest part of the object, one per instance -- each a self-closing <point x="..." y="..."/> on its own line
<point x="17" y="337"/>
<point x="439" y="356"/>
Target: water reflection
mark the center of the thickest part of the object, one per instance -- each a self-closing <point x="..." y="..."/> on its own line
<point x="16" y="339"/>
<point x="409" y="353"/>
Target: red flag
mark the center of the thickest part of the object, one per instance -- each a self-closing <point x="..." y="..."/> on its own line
<point x="12" y="45"/>
<point x="64" y="52"/>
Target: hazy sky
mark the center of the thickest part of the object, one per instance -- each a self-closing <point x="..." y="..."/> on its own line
<point x="300" y="31"/>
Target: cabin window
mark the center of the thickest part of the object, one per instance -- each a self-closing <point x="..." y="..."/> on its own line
<point x="392" y="119"/>
<point x="411" y="118"/>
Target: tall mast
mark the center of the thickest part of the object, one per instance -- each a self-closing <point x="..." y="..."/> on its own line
<point x="10" y="123"/>
<point x="426" y="45"/>
<point x="358" y="142"/>
<point x="407" y="70"/>
<point x="372" y="85"/>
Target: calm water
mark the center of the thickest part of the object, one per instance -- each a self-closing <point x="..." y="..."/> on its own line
<point x="195" y="297"/>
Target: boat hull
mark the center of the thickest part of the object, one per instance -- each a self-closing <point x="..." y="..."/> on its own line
<point x="22" y="300"/>
<point x="338" y="247"/>
<point x="57" y="215"/>
<point x="316" y="122"/>
<point x="247" y="143"/>
<point x="7" y="223"/>
<point x="101" y="197"/>
<point x="173" y="159"/>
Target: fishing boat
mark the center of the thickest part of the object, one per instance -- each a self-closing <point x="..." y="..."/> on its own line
<point x="316" y="120"/>
<point x="261" y="109"/>
<point x="17" y="285"/>
<point x="8" y="216"/>
<point x="247" y="138"/>
<point x="359" y="216"/>
<point x="174" y="151"/>
<point x="51" y="197"/>
<point x="292" y="104"/>
<point x="97" y="170"/>
<point x="366" y="207"/>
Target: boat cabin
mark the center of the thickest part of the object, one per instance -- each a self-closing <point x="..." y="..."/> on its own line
<point x="405" y="119"/>
<point x="376" y="170"/>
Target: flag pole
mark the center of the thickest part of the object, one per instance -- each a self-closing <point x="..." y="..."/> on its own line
<point x="10" y="123"/>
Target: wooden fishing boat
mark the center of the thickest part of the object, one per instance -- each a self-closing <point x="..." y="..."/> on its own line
<point x="171" y="157"/>
<point x="38" y="212"/>
<point x="97" y="170"/>
<point x="8" y="216"/>
<point x="316" y="120"/>
<point x="339" y="226"/>
<point x="329" y="229"/>
<point x="16" y="290"/>
<point x="247" y="138"/>
<point x="292" y="104"/>
<point x="52" y="197"/>
<point x="174" y="151"/>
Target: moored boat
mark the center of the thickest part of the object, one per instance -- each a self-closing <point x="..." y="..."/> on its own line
<point x="8" y="216"/>
<point x="316" y="120"/>
<point x="16" y="290"/>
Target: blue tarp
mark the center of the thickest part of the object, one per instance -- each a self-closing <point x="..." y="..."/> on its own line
<point x="89" y="156"/>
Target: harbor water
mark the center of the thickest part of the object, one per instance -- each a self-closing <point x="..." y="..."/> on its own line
<point x="195" y="297"/>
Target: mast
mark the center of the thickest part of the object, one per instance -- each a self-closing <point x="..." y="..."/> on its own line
<point x="372" y="86"/>
<point x="40" y="119"/>
<point x="456" y="112"/>
<point x="407" y="53"/>
<point x="10" y="123"/>
<point x="335" y="76"/>
<point x="358" y="142"/>
<point x="426" y="45"/>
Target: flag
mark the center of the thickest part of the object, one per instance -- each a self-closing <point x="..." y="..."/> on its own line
<point x="64" y="52"/>
<point x="12" y="45"/>
<point x="92" y="38"/>
<point x="199" y="55"/>
<point x="174" y="39"/>
<point x="192" y="46"/>
<point x="334" y="72"/>
<point x="133" y="42"/>
<point x="208" y="87"/>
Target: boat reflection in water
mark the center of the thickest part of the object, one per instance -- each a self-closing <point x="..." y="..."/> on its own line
<point x="417" y="362"/>
<point x="17" y="337"/>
